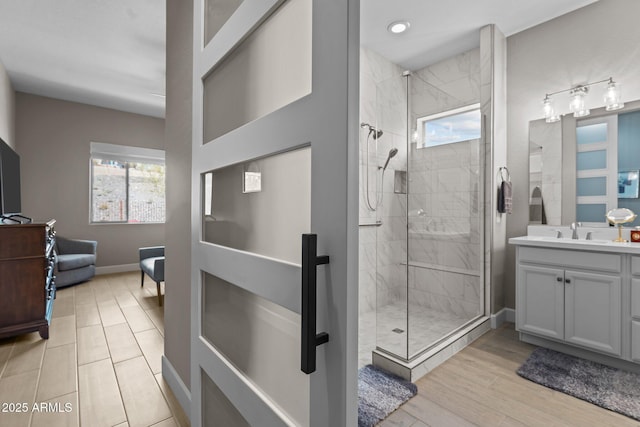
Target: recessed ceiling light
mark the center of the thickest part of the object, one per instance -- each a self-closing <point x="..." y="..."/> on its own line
<point x="398" y="27"/>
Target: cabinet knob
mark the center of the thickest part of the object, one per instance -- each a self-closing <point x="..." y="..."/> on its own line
<point x="567" y="281"/>
<point x="559" y="279"/>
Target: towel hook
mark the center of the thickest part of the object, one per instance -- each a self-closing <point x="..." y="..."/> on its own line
<point x="504" y="168"/>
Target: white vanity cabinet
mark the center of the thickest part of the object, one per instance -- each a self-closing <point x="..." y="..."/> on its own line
<point x="571" y="296"/>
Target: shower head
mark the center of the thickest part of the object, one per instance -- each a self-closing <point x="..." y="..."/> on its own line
<point x="377" y="133"/>
<point x="392" y="153"/>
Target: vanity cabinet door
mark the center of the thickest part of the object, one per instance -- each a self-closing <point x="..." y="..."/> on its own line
<point x="635" y="341"/>
<point x="540" y="303"/>
<point x="593" y="311"/>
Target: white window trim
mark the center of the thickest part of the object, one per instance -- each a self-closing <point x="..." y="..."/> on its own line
<point x="126" y="153"/>
<point x="420" y="121"/>
<point x="105" y="151"/>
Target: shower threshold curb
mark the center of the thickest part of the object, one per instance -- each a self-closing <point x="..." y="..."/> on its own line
<point x="423" y="364"/>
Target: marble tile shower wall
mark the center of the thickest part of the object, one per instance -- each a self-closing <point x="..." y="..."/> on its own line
<point x="444" y="220"/>
<point x="382" y="249"/>
<point x="443" y="183"/>
<point x="444" y="240"/>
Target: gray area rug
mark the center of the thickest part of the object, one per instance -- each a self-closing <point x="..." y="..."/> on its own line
<point x="602" y="385"/>
<point x="379" y="394"/>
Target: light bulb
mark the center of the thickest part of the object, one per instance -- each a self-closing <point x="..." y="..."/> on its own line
<point x="612" y="97"/>
<point x="577" y="105"/>
<point x="550" y="115"/>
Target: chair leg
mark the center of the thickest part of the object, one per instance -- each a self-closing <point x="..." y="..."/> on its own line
<point x="159" y="295"/>
<point x="142" y="278"/>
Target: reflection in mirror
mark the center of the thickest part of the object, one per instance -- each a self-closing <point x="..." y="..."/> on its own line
<point x="545" y="181"/>
<point x="574" y="167"/>
<point x="596" y="168"/>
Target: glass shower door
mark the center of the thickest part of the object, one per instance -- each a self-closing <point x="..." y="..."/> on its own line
<point x="428" y="246"/>
<point x="445" y="218"/>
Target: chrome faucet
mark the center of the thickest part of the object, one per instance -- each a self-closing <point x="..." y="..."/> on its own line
<point x="574" y="226"/>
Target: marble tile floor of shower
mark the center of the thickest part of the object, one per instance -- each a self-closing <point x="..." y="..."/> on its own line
<point x="386" y="328"/>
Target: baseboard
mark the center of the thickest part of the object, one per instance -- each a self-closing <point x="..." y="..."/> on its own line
<point x="504" y="315"/>
<point x="122" y="268"/>
<point x="178" y="388"/>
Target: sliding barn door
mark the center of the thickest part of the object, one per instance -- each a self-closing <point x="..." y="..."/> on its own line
<point x="274" y="213"/>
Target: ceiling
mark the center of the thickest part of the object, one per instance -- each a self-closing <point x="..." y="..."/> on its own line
<point x="111" y="53"/>
<point x="438" y="30"/>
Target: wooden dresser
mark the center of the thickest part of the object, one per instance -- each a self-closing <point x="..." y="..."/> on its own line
<point x="27" y="284"/>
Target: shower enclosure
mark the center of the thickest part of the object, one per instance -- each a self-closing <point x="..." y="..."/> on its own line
<point x="425" y="237"/>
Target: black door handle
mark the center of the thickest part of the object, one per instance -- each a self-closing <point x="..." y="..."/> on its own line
<point x="310" y="339"/>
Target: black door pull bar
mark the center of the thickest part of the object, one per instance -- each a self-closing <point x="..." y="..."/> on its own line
<point x="310" y="339"/>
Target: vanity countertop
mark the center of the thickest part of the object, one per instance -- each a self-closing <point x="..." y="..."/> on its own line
<point x="598" y="245"/>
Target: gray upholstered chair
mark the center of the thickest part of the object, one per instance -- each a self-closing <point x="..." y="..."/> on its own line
<point x="152" y="264"/>
<point x="75" y="261"/>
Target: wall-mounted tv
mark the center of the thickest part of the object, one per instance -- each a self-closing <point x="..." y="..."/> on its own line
<point x="9" y="180"/>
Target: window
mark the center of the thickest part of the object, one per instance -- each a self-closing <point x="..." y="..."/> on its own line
<point x="461" y="124"/>
<point x="127" y="184"/>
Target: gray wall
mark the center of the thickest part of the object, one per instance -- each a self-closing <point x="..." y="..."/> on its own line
<point x="177" y="330"/>
<point x="7" y="108"/>
<point x="52" y="138"/>
<point x="590" y="44"/>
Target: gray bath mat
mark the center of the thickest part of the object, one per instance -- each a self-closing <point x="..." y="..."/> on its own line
<point x="607" y="387"/>
<point x="379" y="394"/>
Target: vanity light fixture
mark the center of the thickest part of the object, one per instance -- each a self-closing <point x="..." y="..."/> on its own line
<point x="398" y="27"/>
<point x="550" y="114"/>
<point x="577" y="94"/>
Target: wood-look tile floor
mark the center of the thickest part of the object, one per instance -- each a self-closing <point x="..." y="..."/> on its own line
<point x="101" y="365"/>
<point x="479" y="387"/>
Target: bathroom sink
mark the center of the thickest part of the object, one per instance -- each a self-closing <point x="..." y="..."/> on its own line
<point x="589" y="242"/>
<point x="570" y="240"/>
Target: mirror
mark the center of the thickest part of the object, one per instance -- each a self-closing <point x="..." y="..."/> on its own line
<point x="545" y="179"/>
<point x="575" y="166"/>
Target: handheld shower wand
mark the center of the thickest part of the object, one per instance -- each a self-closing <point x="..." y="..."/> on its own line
<point x="392" y="153"/>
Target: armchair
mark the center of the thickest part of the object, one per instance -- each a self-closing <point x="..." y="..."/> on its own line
<point x="75" y="261"/>
<point x="152" y="264"/>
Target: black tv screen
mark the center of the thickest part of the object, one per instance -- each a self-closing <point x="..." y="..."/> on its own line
<point x="9" y="180"/>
